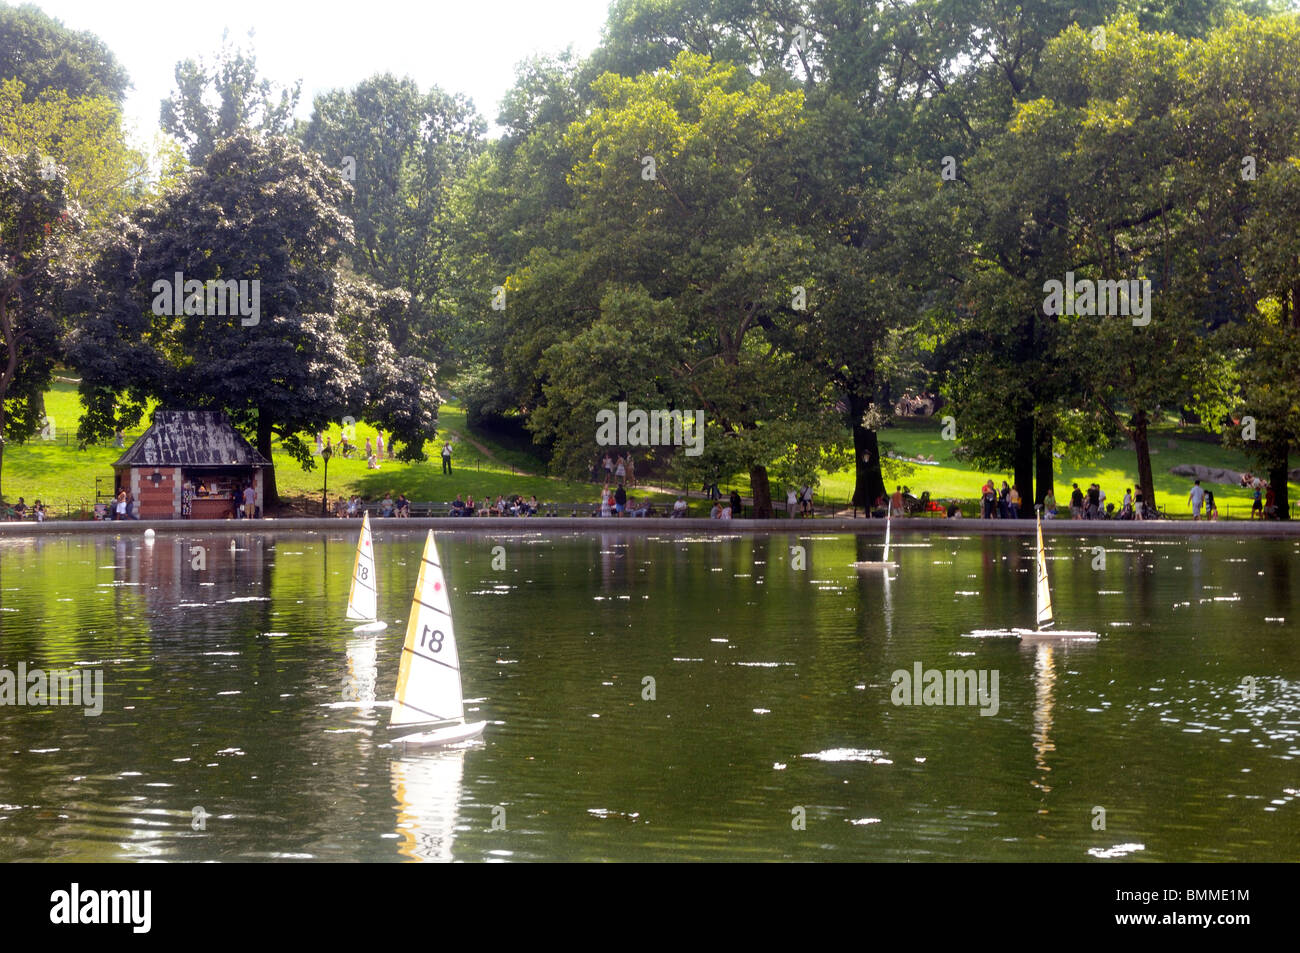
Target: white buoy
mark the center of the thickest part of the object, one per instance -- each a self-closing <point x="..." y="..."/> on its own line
<point x="148" y="534"/>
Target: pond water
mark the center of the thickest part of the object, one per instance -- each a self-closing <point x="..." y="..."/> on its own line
<point x="772" y="733"/>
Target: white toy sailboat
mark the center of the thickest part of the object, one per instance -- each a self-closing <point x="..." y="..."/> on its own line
<point x="1043" y="606"/>
<point x="884" y="562"/>
<point x="363" y="597"/>
<point x="428" y="681"/>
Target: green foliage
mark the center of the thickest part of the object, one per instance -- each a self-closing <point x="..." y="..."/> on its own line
<point x="48" y="57"/>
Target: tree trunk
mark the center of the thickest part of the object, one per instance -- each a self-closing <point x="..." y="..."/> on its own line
<point x="1143" y="447"/>
<point x="762" y="493"/>
<point x="1277" y="480"/>
<point x="869" y="484"/>
<point x="1025" y="454"/>
<point x="269" y="494"/>
<point x="1043" y="468"/>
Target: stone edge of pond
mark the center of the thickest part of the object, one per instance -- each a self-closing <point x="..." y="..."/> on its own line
<point x="496" y="525"/>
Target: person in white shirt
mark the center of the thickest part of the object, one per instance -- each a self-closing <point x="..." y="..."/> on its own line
<point x="791" y="502"/>
<point x="679" y="508"/>
<point x="1196" y="497"/>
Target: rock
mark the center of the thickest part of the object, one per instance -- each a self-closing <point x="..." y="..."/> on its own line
<point x="1207" y="474"/>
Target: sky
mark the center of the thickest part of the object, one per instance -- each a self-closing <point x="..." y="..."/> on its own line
<point x="468" y="47"/>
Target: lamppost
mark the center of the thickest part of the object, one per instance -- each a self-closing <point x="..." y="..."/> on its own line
<point x="325" y="493"/>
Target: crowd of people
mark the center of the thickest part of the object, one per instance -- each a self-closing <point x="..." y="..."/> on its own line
<point x="617" y="468"/>
<point x="616" y="502"/>
<point x="513" y="505"/>
<point x="372" y="454"/>
<point x="390" y="506"/>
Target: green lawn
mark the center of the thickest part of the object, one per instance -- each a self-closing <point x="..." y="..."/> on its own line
<point x="58" y="473"/>
<point x="62" y="475"/>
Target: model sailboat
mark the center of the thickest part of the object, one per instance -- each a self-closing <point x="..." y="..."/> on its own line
<point x="428" y="681"/>
<point x="884" y="562"/>
<point x="363" y="597"/>
<point x="1043" y="608"/>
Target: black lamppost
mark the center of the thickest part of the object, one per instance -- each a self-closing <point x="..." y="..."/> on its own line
<point x="325" y="493"/>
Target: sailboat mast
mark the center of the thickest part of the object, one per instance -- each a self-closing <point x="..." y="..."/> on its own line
<point x="1043" y="592"/>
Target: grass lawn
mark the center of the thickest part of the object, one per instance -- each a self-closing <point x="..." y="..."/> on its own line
<point x="60" y="474"/>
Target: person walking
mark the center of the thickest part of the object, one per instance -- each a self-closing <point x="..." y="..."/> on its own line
<point x="791" y="502"/>
<point x="1076" y="502"/>
<point x="446" y="458"/>
<point x="379" y="445"/>
<point x="370" y="450"/>
<point x="807" y="500"/>
<point x="1211" y="509"/>
<point x="1196" y="496"/>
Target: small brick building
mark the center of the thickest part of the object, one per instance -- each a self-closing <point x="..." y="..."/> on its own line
<point x="191" y="464"/>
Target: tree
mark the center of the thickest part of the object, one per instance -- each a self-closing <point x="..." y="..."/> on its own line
<point x="36" y="221"/>
<point x="402" y="150"/>
<point x="105" y="176"/>
<point x="262" y="216"/>
<point x="47" y="56"/>
<point x="214" y="102"/>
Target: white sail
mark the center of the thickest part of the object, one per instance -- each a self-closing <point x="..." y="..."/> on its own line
<point x="885" y="558"/>
<point x="1044" y="600"/>
<point x="363" y="601"/>
<point x="428" y="681"/>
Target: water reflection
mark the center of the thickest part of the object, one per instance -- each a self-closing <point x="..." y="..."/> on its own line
<point x="427" y="789"/>
<point x="1044" y="691"/>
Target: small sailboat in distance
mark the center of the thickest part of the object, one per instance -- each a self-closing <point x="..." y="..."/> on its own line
<point x="363" y="597"/>
<point x="884" y="562"/>
<point x="428" y="681"/>
<point x="1045" y="630"/>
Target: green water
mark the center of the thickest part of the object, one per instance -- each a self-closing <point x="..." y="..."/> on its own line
<point x="772" y="701"/>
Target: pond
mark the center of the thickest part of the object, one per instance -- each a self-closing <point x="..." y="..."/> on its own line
<point x="656" y="697"/>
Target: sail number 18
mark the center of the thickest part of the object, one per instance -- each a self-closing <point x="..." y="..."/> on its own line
<point x="432" y="639"/>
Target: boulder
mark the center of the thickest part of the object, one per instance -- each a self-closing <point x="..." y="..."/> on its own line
<point x="1207" y="474"/>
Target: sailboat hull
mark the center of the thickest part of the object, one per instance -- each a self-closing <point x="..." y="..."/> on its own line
<point x="1034" y="635"/>
<point x="868" y="564"/>
<point x="450" y="735"/>
<point x="370" y="627"/>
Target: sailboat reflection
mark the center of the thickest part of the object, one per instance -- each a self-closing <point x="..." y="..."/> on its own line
<point x="359" y="682"/>
<point x="427" y="788"/>
<point x="1044" y="686"/>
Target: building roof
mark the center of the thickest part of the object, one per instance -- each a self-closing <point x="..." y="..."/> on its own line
<point x="191" y="438"/>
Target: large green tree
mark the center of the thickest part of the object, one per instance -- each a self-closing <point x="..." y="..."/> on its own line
<point x="260" y="210"/>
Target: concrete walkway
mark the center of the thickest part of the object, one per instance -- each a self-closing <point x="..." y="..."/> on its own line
<point x="505" y="524"/>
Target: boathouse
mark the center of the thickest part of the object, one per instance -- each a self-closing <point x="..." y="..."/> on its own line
<point x="190" y="464"/>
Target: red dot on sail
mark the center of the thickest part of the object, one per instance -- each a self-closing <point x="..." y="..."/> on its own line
<point x="437" y="586"/>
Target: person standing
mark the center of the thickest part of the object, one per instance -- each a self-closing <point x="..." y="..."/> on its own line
<point x="1258" y="505"/>
<point x="1196" y="496"/>
<point x="1004" y="498"/>
<point x="604" y="501"/>
<point x="608" y="464"/>
<point x="1139" y="512"/>
<point x="791" y="502"/>
<point x="250" y="502"/>
<point x="1126" y="505"/>
<point x="896" y="502"/>
<point x="807" y="500"/>
<point x="1211" y="509"/>
<point x="1013" y="502"/>
<point x="620" y="500"/>
<point x="737" y="507"/>
<point x="379" y="445"/>
<point x="446" y="458"/>
<point x="1076" y="502"/>
<point x="319" y="445"/>
<point x="620" y="470"/>
<point x="119" y="506"/>
<point x="631" y="469"/>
